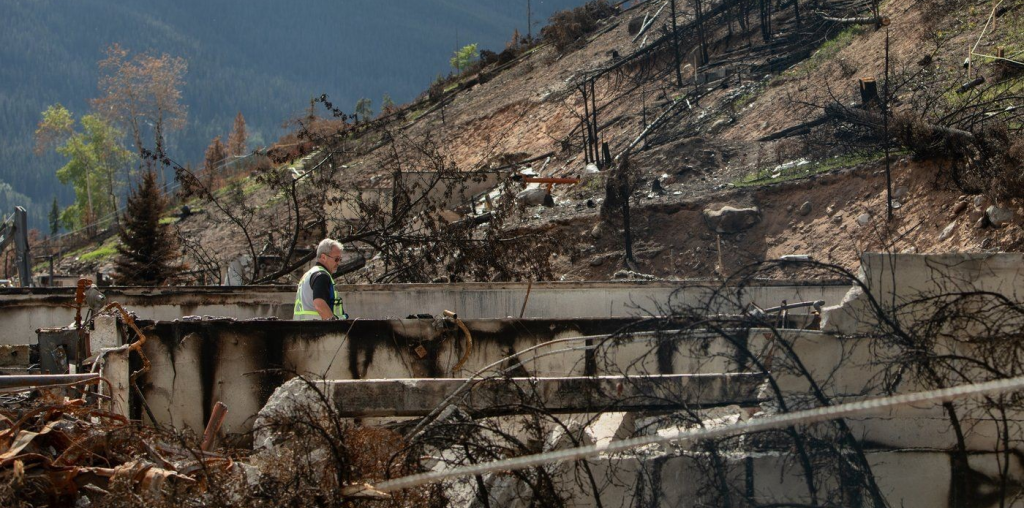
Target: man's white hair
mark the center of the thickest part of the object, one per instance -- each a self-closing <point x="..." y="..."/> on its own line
<point x="326" y="245"/>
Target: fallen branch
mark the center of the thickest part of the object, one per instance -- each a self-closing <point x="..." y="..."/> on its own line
<point x="654" y="125"/>
<point x="877" y="21"/>
<point x="648" y="21"/>
<point x="796" y="130"/>
<point x="873" y="121"/>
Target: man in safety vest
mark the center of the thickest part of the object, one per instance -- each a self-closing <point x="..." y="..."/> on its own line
<point x="316" y="298"/>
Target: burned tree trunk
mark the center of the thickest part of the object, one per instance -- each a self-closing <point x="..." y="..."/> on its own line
<point x="701" y="35"/>
<point x="675" y="47"/>
<point x="766" y="20"/>
<point x="618" y="189"/>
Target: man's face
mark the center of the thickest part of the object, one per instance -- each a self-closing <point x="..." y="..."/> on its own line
<point x="332" y="260"/>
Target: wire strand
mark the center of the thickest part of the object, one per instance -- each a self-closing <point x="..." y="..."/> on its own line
<point x="756" y="425"/>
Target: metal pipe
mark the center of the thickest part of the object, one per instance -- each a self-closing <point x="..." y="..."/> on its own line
<point x="22" y="381"/>
<point x="545" y="179"/>
<point x="213" y="426"/>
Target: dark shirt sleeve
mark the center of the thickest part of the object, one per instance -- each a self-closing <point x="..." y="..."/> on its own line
<point x="321" y="284"/>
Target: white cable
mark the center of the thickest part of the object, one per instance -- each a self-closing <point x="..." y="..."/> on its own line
<point x="756" y="425"/>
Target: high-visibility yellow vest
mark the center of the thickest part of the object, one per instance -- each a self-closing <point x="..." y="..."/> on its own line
<point x="304" y="309"/>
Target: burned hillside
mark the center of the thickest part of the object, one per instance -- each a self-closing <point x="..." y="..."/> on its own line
<point x="779" y="130"/>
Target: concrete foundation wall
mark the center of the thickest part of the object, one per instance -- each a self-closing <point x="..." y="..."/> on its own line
<point x="22" y="311"/>
<point x="196" y="364"/>
<point x="903" y="285"/>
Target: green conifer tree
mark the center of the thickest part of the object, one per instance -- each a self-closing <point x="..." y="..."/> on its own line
<point x="54" y="217"/>
<point x="364" y="109"/>
<point x="147" y="250"/>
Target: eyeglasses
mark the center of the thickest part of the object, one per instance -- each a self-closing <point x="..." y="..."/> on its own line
<point x="337" y="259"/>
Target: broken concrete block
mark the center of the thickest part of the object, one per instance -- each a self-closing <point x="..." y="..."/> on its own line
<point x="729" y="220"/>
<point x="106" y="333"/>
<point x="610" y="427"/>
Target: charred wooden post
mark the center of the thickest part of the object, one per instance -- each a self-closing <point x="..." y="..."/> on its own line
<point x="588" y="139"/>
<point x="868" y="91"/>
<point x="593" y="112"/>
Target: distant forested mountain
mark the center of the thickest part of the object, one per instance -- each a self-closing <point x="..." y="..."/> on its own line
<point x="265" y="58"/>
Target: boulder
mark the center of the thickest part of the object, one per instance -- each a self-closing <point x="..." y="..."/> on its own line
<point x="535" y="197"/>
<point x="805" y="208"/>
<point x="948" y="231"/>
<point x="864" y="219"/>
<point x="998" y="216"/>
<point x="272" y="430"/>
<point x="730" y="220"/>
<point x="721" y="122"/>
